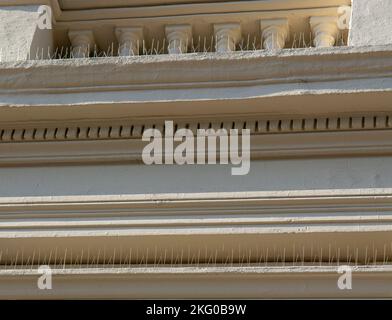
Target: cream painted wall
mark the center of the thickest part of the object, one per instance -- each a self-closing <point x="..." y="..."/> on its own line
<point x="358" y="220"/>
<point x="20" y="35"/>
<point x="371" y="23"/>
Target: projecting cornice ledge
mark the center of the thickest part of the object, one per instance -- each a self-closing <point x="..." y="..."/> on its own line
<point x="198" y="282"/>
<point x="299" y="81"/>
<point x="160" y="229"/>
<point x="284" y="66"/>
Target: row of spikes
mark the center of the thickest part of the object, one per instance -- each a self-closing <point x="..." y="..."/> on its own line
<point x="230" y="257"/>
<point x="158" y="47"/>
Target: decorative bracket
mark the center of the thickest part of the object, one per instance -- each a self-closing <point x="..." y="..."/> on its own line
<point x="325" y="31"/>
<point x="227" y="35"/>
<point x="129" y="40"/>
<point x="179" y="38"/>
<point x="82" y="43"/>
<point x="274" y="33"/>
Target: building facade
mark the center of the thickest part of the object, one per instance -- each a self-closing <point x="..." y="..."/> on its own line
<point x="82" y="81"/>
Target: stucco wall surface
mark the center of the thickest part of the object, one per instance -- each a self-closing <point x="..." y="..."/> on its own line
<point x="20" y="37"/>
<point x="371" y="23"/>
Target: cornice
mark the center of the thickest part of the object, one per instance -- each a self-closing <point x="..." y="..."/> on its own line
<point x="96" y="4"/>
<point x="268" y="4"/>
<point x="208" y="282"/>
<point x="221" y="69"/>
<point x="123" y="144"/>
<point x="169" y="213"/>
<point x="172" y="228"/>
<point x="115" y="129"/>
<point x="341" y="80"/>
<point x="299" y="197"/>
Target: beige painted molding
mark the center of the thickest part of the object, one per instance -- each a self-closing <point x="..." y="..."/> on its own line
<point x="73" y="149"/>
<point x="79" y="10"/>
<point x="247" y="68"/>
<point x="341" y="80"/>
<point x="90" y="4"/>
<point x="298" y="103"/>
<point x="254" y="227"/>
<point x="222" y="282"/>
<point x="289" y="66"/>
<point x="111" y="129"/>
<point x="212" y="8"/>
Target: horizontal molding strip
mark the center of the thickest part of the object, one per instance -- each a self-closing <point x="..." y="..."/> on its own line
<point x="89" y="237"/>
<point x="180" y="10"/>
<point x="215" y="223"/>
<point x="199" y="282"/>
<point x="316" y="225"/>
<point x="324" y="83"/>
<point x="280" y="145"/>
<point x="202" y="220"/>
<point x="134" y="129"/>
<point x="223" y="196"/>
<point x="175" y="213"/>
<point x="117" y="270"/>
<point x="202" y="69"/>
<point x="371" y="205"/>
<point x="100" y="10"/>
